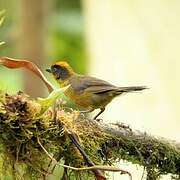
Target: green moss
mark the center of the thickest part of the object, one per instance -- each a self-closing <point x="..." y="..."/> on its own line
<point x="22" y="155"/>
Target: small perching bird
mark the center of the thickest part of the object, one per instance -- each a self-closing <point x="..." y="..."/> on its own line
<point x="88" y="92"/>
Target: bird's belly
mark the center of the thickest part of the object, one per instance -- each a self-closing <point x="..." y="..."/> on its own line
<point x="101" y="100"/>
<point x="89" y="100"/>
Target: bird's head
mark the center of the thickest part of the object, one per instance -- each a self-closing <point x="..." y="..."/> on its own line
<point x="61" y="70"/>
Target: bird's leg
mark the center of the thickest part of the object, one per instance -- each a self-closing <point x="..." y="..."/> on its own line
<point x="102" y="110"/>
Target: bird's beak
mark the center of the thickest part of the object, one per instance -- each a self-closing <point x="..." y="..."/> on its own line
<point x="49" y="70"/>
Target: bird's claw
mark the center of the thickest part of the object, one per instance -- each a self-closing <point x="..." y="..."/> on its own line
<point x="99" y="120"/>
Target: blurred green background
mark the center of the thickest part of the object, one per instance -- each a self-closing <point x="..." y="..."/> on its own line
<point x="128" y="43"/>
<point x="60" y="35"/>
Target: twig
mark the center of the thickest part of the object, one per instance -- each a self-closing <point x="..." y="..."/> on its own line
<point x="142" y="177"/>
<point x="65" y="174"/>
<point x="95" y="167"/>
<point x="99" y="175"/>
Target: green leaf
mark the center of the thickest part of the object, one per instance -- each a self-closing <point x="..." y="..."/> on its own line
<point x="2" y="20"/>
<point x="2" y="12"/>
<point x="50" y="100"/>
<point x="1" y="43"/>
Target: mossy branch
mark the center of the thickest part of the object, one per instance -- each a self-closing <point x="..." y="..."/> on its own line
<point x="158" y="155"/>
<point x="22" y="128"/>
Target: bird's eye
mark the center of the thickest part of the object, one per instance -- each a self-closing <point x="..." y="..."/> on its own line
<point x="54" y="68"/>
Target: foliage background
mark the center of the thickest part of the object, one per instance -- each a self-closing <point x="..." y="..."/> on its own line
<point x="64" y="37"/>
<point x="124" y="42"/>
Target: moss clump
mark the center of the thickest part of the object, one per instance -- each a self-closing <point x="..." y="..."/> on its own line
<point x="23" y="126"/>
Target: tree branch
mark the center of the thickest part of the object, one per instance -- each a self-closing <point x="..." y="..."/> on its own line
<point x="99" y="143"/>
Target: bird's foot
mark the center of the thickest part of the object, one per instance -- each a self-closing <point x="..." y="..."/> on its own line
<point x="99" y="120"/>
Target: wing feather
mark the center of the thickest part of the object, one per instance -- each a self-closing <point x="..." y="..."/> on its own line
<point x="91" y="84"/>
<point x="82" y="84"/>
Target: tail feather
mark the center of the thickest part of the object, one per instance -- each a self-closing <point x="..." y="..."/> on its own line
<point x="131" y="89"/>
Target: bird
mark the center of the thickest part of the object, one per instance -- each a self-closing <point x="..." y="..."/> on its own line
<point x="88" y="92"/>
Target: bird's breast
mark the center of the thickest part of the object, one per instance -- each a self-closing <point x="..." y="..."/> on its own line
<point x="88" y="100"/>
<point x="82" y="99"/>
